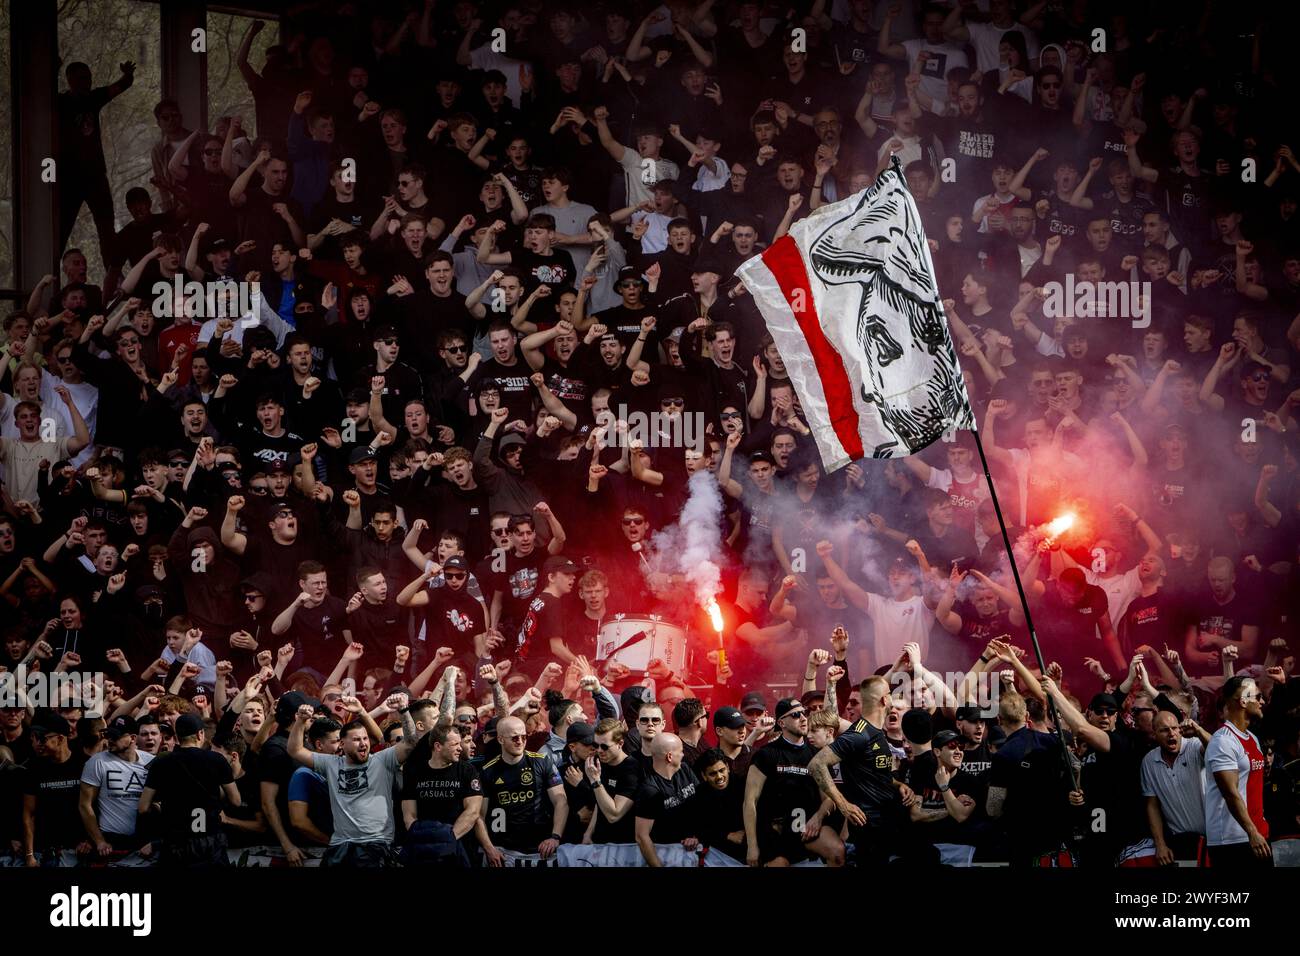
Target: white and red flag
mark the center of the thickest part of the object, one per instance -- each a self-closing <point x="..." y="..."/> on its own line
<point x="851" y="300"/>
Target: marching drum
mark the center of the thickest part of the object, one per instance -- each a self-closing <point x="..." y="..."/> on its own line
<point x="635" y="641"/>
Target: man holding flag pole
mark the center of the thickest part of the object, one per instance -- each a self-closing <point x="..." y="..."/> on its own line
<point x="850" y="298"/>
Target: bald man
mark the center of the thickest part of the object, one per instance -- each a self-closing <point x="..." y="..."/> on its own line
<point x="1221" y="616"/>
<point x="524" y="807"/>
<point x="668" y="801"/>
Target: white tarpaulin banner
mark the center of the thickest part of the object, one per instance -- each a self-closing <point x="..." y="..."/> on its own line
<point x="852" y="303"/>
<point x="624" y="855"/>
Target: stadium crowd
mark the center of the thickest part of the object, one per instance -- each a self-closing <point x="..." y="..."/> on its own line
<point x="339" y="475"/>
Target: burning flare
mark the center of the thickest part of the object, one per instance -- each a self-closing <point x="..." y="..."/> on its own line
<point x="715" y="616"/>
<point x="1058" y="526"/>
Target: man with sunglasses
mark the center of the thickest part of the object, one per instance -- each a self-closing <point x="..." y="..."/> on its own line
<point x="614" y="779"/>
<point x="782" y="825"/>
<point x="524" y="806"/>
<point x="647" y="724"/>
<point x="1111" y="774"/>
<point x="391" y="380"/>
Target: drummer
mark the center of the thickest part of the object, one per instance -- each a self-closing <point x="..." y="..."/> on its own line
<point x="598" y="607"/>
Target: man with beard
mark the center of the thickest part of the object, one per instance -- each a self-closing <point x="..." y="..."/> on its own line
<point x="441" y="797"/>
<point x="527" y="788"/>
<point x="782" y="825"/>
<point x="1236" y="830"/>
<point x="360" y="789"/>
<point x="111" y="783"/>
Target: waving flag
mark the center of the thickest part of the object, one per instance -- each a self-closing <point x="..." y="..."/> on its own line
<point x="850" y="298"/>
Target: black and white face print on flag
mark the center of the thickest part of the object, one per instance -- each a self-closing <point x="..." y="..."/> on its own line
<point x="876" y="254"/>
<point x="850" y="298"/>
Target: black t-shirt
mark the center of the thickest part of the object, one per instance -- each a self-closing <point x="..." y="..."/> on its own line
<point x="1110" y="780"/>
<point x="380" y="627"/>
<point x="511" y="382"/>
<point x="556" y="270"/>
<point x="521" y="791"/>
<point x="1073" y="627"/>
<point x="278" y="561"/>
<point x="80" y="146"/>
<point x="788" y="787"/>
<point x="921" y="779"/>
<point x="317" y="632"/>
<point x="57" y="788"/>
<point x="440" y="794"/>
<point x="517" y="584"/>
<point x="673" y="805"/>
<point x="1223" y="621"/>
<point x="623" y="780"/>
<point x="186" y="781"/>
<point x="867" y="765"/>
<point x="544" y="620"/>
<point x="1152" y="620"/>
<point x="453" y="617"/>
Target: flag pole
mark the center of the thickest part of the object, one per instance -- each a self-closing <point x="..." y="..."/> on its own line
<point x="1024" y="606"/>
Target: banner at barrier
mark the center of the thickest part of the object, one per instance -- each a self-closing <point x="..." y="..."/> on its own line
<point x="625" y="855"/>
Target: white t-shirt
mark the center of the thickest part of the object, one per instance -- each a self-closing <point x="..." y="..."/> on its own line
<point x="638" y="183"/>
<point x="898" y="623"/>
<point x="655" y="238"/>
<point x="1229" y="749"/>
<point x="1120" y="590"/>
<point x="120" y="783"/>
<point x="986" y="38"/>
<point x="85" y="396"/>
<point x="934" y="74"/>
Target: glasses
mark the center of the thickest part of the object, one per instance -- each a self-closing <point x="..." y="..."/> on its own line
<point x="64" y="358"/>
<point x="501" y="531"/>
<point x="1259" y="377"/>
<point x="454" y="349"/>
<point x="250" y="598"/>
<point x="178" y="463"/>
<point x="631" y="521"/>
<point x="674" y="402"/>
<point x="515" y="738"/>
<point x="649" y="720"/>
<point x="255" y="489"/>
<point x="796" y="714"/>
<point x="465" y="719"/>
<point x="455" y="575"/>
<point x="389" y="341"/>
<point x="726" y="415"/>
<point x="1106" y="712"/>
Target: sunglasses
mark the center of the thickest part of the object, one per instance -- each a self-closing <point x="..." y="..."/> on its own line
<point x="630" y="521"/>
<point x="726" y="415"/>
<point x="649" y="720"/>
<point x="178" y="463"/>
<point x="251" y="597"/>
<point x="455" y="575"/>
<point x="1106" y="712"/>
<point x="465" y="719"/>
<point x="515" y="738"/>
<point x="1259" y="377"/>
<point x="389" y="341"/>
<point x="795" y="714"/>
<point x="674" y="402"/>
<point x="501" y="531"/>
<point x="454" y="348"/>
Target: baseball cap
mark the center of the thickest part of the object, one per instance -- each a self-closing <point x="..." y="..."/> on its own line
<point x="633" y="697"/>
<point x="361" y="453"/>
<point x="812" y="697"/>
<point x="120" y="726"/>
<point x="276" y="465"/>
<point x="358" y="396"/>
<point x="188" y="725"/>
<point x="218" y="245"/>
<point x="631" y="272"/>
<point x="785" y="705"/>
<point x="969" y="712"/>
<point x="559" y="564"/>
<point x="580" y="733"/>
<point x="383" y="332"/>
<point x="728" y="717"/>
<point x="762" y="456"/>
<point x="282" y="509"/>
<point x="943" y="738"/>
<point x="49" y="721"/>
<point x="1103" y="700"/>
<point x="454" y="563"/>
<point x="753" y="701"/>
<point x="287" y="707"/>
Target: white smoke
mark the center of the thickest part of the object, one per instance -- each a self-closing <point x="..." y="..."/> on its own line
<point x="693" y="546"/>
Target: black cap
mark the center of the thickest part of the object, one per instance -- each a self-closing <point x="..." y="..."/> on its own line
<point x="631" y="272"/>
<point x="969" y="712"/>
<point x="361" y="453"/>
<point x="812" y="697"/>
<point x="944" y="737"/>
<point x="753" y="701"/>
<point x="1103" y="700"/>
<point x="762" y="456"/>
<point x="120" y="726"/>
<point x="276" y="464"/>
<point x="218" y="245"/>
<point x="455" y="563"/>
<point x="188" y="725"/>
<point x="559" y="564"/>
<point x="49" y="721"/>
<point x="283" y="508"/>
<point x="728" y="717"/>
<point x="359" y="395"/>
<point x="580" y="733"/>
<point x="785" y="705"/>
<point x="287" y="707"/>
<point x="633" y="697"/>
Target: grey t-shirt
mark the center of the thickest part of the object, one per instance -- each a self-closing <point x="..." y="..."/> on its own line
<point x="361" y="796"/>
<point x="119" y="782"/>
